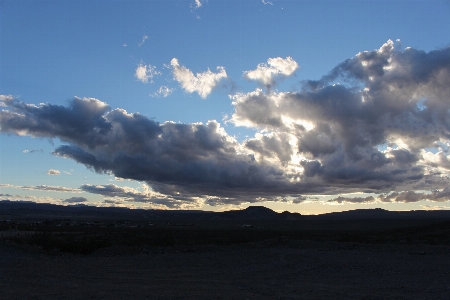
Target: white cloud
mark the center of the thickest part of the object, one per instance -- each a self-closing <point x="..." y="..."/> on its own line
<point x="275" y="67"/>
<point x="53" y="172"/>
<point x="266" y="2"/>
<point x="5" y="100"/>
<point x="196" y="4"/>
<point x="163" y="91"/>
<point x="144" y="38"/>
<point x="32" y="151"/>
<point x="202" y="83"/>
<point x="145" y="73"/>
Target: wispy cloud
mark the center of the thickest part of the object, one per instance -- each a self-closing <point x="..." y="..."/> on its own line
<point x="144" y="38"/>
<point x="163" y="91"/>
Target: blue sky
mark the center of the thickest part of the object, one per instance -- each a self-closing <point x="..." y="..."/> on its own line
<point x="239" y="103"/>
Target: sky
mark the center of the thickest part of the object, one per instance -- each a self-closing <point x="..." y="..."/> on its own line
<point x="304" y="106"/>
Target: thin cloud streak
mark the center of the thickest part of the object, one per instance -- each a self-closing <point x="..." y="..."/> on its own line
<point x="47" y="188"/>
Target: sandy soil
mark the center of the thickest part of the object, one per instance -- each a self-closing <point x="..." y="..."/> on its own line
<point x="293" y="270"/>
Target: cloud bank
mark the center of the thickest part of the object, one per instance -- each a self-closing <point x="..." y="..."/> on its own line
<point x="378" y="122"/>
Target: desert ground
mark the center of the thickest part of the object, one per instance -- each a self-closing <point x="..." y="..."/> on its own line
<point x="325" y="261"/>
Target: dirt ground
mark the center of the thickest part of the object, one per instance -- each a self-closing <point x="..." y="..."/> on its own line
<point x="261" y="270"/>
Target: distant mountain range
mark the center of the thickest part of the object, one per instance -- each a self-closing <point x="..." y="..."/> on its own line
<point x="26" y="209"/>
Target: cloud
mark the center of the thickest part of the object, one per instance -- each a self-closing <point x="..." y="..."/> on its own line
<point x="412" y="196"/>
<point x="202" y="83"/>
<point x="144" y="38"/>
<point x="75" y="200"/>
<point x="117" y="194"/>
<point x="112" y="190"/>
<point x="47" y="188"/>
<point x="53" y="172"/>
<point x="145" y="73"/>
<point x="358" y="200"/>
<point x="33" y="151"/>
<point x="399" y="197"/>
<point x="196" y="4"/>
<point x="378" y="121"/>
<point x="386" y="97"/>
<point x="6" y="100"/>
<point x="35" y="199"/>
<point x="192" y="159"/>
<point x="266" y="2"/>
<point x="432" y="207"/>
<point x="163" y="91"/>
<point x="276" y="68"/>
<point x="112" y="202"/>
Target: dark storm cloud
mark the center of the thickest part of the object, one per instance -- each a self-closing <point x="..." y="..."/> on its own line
<point x="194" y="158"/>
<point x="366" y="125"/>
<point x="81" y="122"/>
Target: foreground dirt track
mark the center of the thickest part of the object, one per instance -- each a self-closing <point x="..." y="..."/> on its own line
<point x="261" y="270"/>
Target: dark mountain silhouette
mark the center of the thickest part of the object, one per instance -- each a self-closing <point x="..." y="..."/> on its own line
<point x="252" y="213"/>
<point x="27" y="209"/>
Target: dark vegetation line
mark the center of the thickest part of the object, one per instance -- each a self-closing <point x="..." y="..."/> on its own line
<point x="85" y="240"/>
<point x="82" y="229"/>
